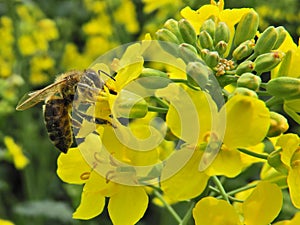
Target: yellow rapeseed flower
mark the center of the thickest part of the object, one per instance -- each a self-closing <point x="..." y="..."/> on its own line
<point x="19" y="159"/>
<point x="260" y="208"/>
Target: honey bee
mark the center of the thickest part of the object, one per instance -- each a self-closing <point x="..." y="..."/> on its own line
<point x="59" y="97"/>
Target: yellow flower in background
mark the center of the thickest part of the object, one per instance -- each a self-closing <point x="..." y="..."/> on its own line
<point x="126" y="15"/>
<point x="6" y="48"/>
<point x="6" y="222"/>
<point x="151" y="5"/>
<point x="19" y="159"/>
<point x="260" y="208"/>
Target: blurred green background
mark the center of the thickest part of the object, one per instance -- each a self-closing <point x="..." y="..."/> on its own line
<point x="40" y="39"/>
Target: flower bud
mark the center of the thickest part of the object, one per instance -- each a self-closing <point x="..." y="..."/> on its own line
<point x="187" y="31"/>
<point x="166" y="35"/>
<point x="206" y="40"/>
<point x="212" y="59"/>
<point x="168" y="41"/>
<point x="198" y="74"/>
<point x="284" y="87"/>
<point x="249" y="80"/>
<point x="221" y="47"/>
<point x="246" y="28"/>
<point x="278" y="125"/>
<point x="274" y="160"/>
<point x="153" y="79"/>
<point x="209" y="26"/>
<point x="267" y="61"/>
<point x="244" y="67"/>
<point x="243" y="50"/>
<point x="188" y="52"/>
<point x="172" y="25"/>
<point x="222" y="33"/>
<point x="243" y="91"/>
<point x="281" y="35"/>
<point x="203" y="53"/>
<point x="130" y="105"/>
<point x="266" y="41"/>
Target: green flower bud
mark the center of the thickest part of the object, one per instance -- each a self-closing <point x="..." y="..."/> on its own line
<point x="172" y="25"/>
<point x="284" y="87"/>
<point x="209" y="26"/>
<point x="130" y="105"/>
<point x="249" y="80"/>
<point x="243" y="91"/>
<point x="243" y="50"/>
<point x="206" y="40"/>
<point x="153" y="79"/>
<point x="278" y="125"/>
<point x="203" y="53"/>
<point x="188" y="52"/>
<point x="168" y="41"/>
<point x="267" y="61"/>
<point x="221" y="47"/>
<point x="197" y="73"/>
<point x="281" y="35"/>
<point x="274" y="160"/>
<point x="187" y="31"/>
<point x="222" y="33"/>
<point x="244" y="67"/>
<point x="212" y="59"/>
<point x="246" y="28"/>
<point x="166" y="35"/>
<point x="285" y="64"/>
<point x="266" y="41"/>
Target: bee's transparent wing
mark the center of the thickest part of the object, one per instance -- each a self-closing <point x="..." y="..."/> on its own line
<point x="32" y="98"/>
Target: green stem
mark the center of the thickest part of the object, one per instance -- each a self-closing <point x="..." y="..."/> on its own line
<point x="251" y="57"/>
<point x="157" y="109"/>
<point x="233" y="192"/>
<point x="220" y="188"/>
<point x="254" y="154"/>
<point x="274" y="101"/>
<point x="160" y="102"/>
<point x="263" y="93"/>
<point x="188" y="215"/>
<point x="263" y="85"/>
<point x="168" y="207"/>
<point x="183" y="81"/>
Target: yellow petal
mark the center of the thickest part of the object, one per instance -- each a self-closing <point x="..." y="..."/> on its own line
<point x="210" y="211"/>
<point x="196" y="18"/>
<point x="228" y="163"/>
<point x="289" y="144"/>
<point x="263" y="205"/>
<point x="248" y="121"/>
<point x="293" y="180"/>
<point x="190" y="114"/>
<point x="128" y="206"/>
<point x="181" y="179"/>
<point x="72" y="168"/>
<point x="91" y="205"/>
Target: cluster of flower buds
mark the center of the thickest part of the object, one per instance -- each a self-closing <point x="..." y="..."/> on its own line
<point x="238" y="58"/>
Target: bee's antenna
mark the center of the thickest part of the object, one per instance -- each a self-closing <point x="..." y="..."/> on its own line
<point x="101" y="71"/>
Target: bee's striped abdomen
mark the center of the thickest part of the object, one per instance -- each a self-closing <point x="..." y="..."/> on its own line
<point x="57" y="120"/>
